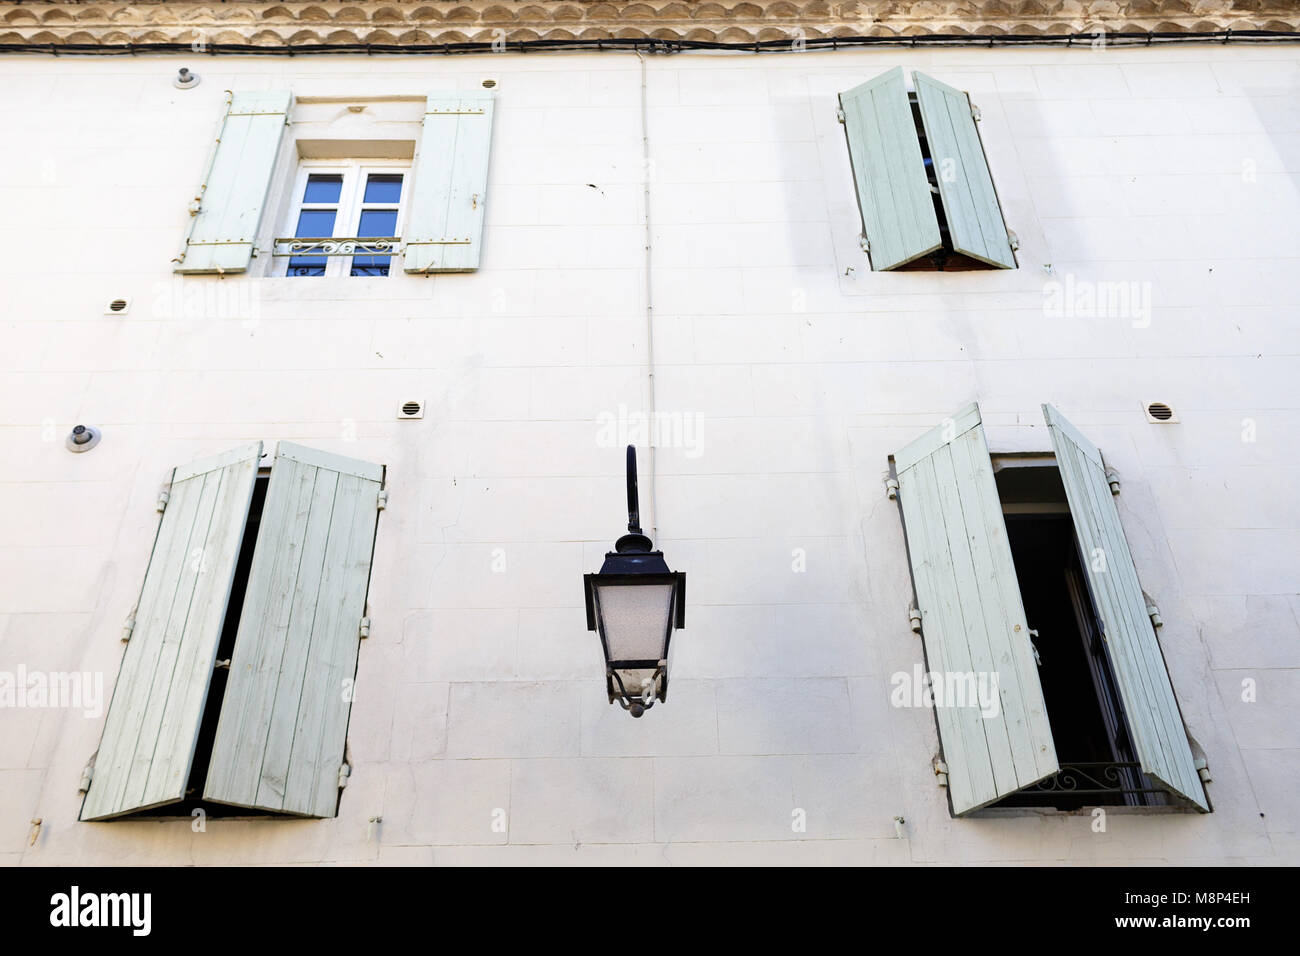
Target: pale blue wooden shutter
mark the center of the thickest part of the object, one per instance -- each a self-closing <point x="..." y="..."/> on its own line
<point x="970" y="203"/>
<point x="1154" y="719"/>
<point x="153" y="721"/>
<point x="898" y="218"/>
<point x="224" y="230"/>
<point x="444" y="225"/>
<point x="972" y="616"/>
<point x="284" y="719"/>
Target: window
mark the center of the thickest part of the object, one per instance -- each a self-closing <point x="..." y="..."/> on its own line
<point x="345" y="220"/>
<point x="248" y="567"/>
<point x="923" y="183"/>
<point x="1084" y="707"/>
<point x="437" y="198"/>
<point x="1025" y="584"/>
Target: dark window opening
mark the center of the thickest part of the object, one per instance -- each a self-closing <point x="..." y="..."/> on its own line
<point x="1089" y="727"/>
<point x="946" y="259"/>
<point x="220" y="677"/>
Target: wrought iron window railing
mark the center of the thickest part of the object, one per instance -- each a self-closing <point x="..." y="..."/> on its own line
<point x="336" y="246"/>
<point x="1096" y="779"/>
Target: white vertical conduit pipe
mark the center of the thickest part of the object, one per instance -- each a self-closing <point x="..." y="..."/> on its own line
<point x="651" y="427"/>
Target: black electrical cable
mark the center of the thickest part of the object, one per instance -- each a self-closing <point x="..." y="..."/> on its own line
<point x="655" y="45"/>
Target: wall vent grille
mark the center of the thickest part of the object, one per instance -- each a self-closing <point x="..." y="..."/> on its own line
<point x="1160" y="413"/>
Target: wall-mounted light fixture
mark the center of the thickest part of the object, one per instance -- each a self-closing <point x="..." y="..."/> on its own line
<point x="634" y="604"/>
<point x="185" y="79"/>
<point x="83" y="438"/>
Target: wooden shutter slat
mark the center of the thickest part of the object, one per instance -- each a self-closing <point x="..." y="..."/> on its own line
<point x="444" y="226"/>
<point x="225" y="230"/>
<point x="972" y="614"/>
<point x="1145" y="689"/>
<point x="283" y="723"/>
<point x="898" y="217"/>
<point x="152" y="726"/>
<point x="970" y="201"/>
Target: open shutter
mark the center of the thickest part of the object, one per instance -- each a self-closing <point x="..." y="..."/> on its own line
<point x="153" y="721"/>
<point x="894" y="195"/>
<point x="444" y="228"/>
<point x="972" y="617"/>
<point x="970" y="203"/>
<point x="1155" y="721"/>
<point x="284" y="719"/>
<point x="230" y="200"/>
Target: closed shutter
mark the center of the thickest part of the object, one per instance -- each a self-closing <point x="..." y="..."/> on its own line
<point x="970" y="203"/>
<point x="283" y="724"/>
<point x="1155" y="722"/>
<point x="230" y="201"/>
<point x="444" y="227"/>
<point x="972" y="617"/>
<point x="898" y="217"/>
<point x="153" y="721"/>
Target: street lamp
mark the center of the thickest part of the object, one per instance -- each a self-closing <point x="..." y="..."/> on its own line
<point x="633" y="604"/>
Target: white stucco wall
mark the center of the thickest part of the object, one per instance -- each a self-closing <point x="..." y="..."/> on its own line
<point x="480" y="689"/>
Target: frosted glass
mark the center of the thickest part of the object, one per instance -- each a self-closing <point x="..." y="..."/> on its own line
<point x="636" y="619"/>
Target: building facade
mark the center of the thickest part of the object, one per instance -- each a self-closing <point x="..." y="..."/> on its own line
<point x="884" y="319"/>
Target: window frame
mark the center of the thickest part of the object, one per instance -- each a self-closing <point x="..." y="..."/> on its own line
<point x="350" y="206"/>
<point x="901" y="236"/>
<point x="232" y="568"/>
<point x="1162" y="753"/>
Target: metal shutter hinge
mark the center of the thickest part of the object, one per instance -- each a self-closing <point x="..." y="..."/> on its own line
<point x="940" y="771"/>
<point x="381" y="501"/>
<point x="128" y="628"/>
<point x="865" y="243"/>
<point x="1038" y="659"/>
<point x="1153" y="612"/>
<point x="344" y="772"/>
<point x="164" y="496"/>
<point x="364" y="629"/>
<point x="1112" y="479"/>
<point x="839" y="115"/>
<point x="914" y="618"/>
<point x="86" y="775"/>
<point x="1013" y="240"/>
<point x="222" y="665"/>
<point x="975" y="112"/>
<point x="891" y="488"/>
<point x="1203" y="769"/>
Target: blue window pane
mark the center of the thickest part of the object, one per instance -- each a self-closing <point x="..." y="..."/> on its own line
<point x="384" y="187"/>
<point x="316" y="223"/>
<point x="313" y="224"/>
<point x="375" y="224"/>
<point x="378" y="222"/>
<point x="323" y="188"/>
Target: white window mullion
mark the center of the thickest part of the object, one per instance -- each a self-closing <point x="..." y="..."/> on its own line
<point x="345" y="221"/>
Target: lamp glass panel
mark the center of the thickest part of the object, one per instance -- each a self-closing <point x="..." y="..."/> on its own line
<point x="635" y="619"/>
